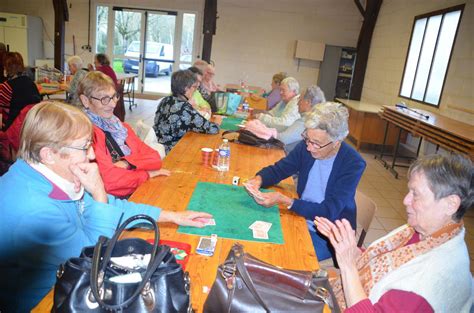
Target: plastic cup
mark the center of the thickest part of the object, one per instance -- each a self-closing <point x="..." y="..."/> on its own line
<point x="206" y="154"/>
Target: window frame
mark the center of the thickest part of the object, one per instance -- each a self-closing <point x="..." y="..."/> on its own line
<point x="419" y="17"/>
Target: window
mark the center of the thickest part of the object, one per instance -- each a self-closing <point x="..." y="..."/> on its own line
<point x="101" y="32"/>
<point x="431" y="44"/>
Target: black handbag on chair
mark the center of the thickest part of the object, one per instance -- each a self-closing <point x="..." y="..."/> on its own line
<point x="89" y="283"/>
<point x="246" y="284"/>
<point x="248" y="138"/>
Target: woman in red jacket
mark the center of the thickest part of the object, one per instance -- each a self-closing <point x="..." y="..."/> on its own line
<point x="124" y="160"/>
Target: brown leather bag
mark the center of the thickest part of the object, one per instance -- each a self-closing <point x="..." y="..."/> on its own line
<point x="246" y="284"/>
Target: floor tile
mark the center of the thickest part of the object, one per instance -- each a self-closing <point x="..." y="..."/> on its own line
<point x="390" y="224"/>
<point x="376" y="223"/>
<point x="374" y="234"/>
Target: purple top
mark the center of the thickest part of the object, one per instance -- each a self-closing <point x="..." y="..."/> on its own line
<point x="273" y="98"/>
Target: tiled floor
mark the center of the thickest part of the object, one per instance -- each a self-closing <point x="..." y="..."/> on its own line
<point x="377" y="183"/>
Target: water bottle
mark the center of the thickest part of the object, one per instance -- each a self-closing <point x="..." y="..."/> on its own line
<point x="223" y="160"/>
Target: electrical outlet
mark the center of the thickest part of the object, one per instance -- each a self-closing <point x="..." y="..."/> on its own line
<point x="86" y="47"/>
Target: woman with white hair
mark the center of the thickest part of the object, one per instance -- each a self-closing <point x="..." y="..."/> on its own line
<point x="285" y="113"/>
<point x="328" y="171"/>
<point x="75" y="67"/>
<point x="291" y="135"/>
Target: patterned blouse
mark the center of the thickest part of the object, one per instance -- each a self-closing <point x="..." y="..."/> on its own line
<point x="175" y="117"/>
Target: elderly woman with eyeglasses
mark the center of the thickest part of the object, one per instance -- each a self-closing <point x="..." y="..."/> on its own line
<point x="175" y="116"/>
<point x="328" y="172"/>
<point x="54" y="203"/>
<point x="125" y="162"/>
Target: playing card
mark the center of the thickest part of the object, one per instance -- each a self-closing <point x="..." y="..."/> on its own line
<point x="210" y="222"/>
<point x="254" y="192"/>
<point x="261" y="225"/>
<point x="259" y="234"/>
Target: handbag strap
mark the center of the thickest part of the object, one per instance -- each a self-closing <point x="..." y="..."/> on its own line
<point x="155" y="261"/>
<point x="238" y="256"/>
<point x="229" y="132"/>
<point x="113" y="147"/>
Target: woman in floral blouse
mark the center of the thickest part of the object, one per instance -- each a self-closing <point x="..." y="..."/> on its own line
<point x="175" y="116"/>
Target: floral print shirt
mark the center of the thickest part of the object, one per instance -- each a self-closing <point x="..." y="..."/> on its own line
<point x="175" y="117"/>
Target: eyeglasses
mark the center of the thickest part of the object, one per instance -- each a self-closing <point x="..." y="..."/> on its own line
<point x="85" y="148"/>
<point x="106" y="99"/>
<point x="312" y="143"/>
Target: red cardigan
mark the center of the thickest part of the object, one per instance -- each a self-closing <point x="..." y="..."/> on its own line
<point x="123" y="182"/>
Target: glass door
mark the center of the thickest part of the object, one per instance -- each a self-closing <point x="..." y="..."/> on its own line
<point x="159" y="58"/>
<point x="150" y="44"/>
<point x="127" y="43"/>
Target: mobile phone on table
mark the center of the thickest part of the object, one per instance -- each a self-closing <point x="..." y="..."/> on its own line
<point x="206" y="246"/>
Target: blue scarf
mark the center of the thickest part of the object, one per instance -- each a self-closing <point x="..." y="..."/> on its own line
<point x="114" y="126"/>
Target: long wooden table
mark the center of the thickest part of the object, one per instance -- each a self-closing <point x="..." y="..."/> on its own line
<point x="174" y="192"/>
<point x="442" y="131"/>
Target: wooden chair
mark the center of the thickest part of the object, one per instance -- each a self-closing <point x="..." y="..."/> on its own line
<point x="365" y="213"/>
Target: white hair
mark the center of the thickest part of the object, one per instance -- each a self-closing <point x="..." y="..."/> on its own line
<point x="332" y="117"/>
<point x="314" y="95"/>
<point x="292" y="84"/>
<point x="76" y="61"/>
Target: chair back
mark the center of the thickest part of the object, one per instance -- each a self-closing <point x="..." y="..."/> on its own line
<point x="365" y="213"/>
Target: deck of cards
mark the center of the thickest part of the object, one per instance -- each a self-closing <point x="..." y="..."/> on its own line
<point x="260" y="229"/>
<point x="254" y="192"/>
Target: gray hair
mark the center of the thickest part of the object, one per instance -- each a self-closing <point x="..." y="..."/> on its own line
<point x="331" y="117"/>
<point x="292" y="84"/>
<point x="180" y="81"/>
<point x="314" y="95"/>
<point x="448" y="175"/>
<point x="75" y="60"/>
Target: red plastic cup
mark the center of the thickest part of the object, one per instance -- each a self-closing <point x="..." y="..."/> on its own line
<point x="206" y="156"/>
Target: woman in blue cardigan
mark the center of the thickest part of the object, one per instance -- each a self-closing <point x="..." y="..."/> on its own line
<point x="328" y="172"/>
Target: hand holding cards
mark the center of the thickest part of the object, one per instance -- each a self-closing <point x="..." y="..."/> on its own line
<point x="260" y="229"/>
<point x="254" y="192"/>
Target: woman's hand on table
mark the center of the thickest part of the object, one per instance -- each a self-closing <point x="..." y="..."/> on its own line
<point x="88" y="175"/>
<point x="161" y="172"/>
<point x="185" y="218"/>
<point x="268" y="199"/>
<point x="256" y="182"/>
<point x="217" y="119"/>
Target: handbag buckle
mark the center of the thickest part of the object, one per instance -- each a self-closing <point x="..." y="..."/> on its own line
<point x="60" y="271"/>
<point x="148" y="296"/>
<point x="227" y="272"/>
<point x="324" y="295"/>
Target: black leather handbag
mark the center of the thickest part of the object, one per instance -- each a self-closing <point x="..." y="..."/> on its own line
<point x="88" y="283"/>
<point x="246" y="284"/>
<point x="248" y="138"/>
